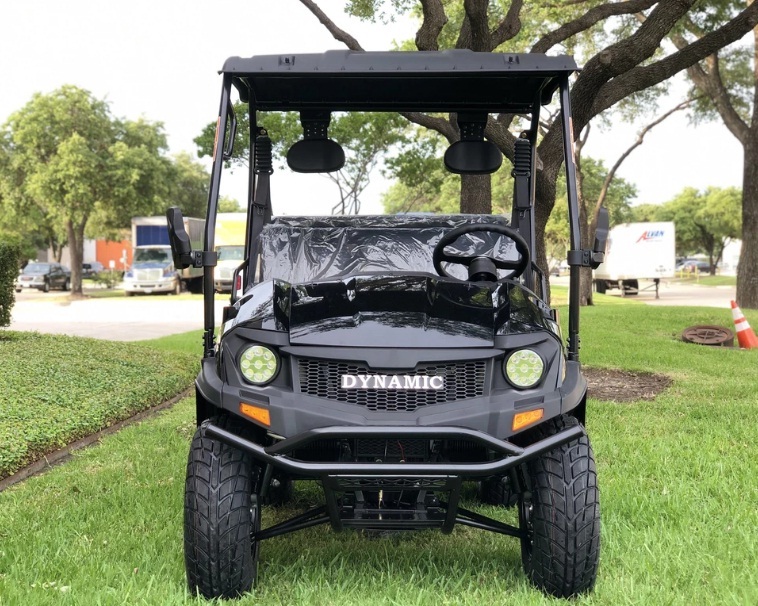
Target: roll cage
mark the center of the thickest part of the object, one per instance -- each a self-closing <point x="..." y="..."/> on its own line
<point x="454" y="81"/>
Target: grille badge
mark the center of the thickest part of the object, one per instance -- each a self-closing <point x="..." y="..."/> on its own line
<point x="410" y="382"/>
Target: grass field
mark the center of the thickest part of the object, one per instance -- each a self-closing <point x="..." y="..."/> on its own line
<point x="678" y="492"/>
<point x="707" y="280"/>
<point x="57" y="389"/>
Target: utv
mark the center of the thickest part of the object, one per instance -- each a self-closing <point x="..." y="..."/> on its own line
<point x="390" y="358"/>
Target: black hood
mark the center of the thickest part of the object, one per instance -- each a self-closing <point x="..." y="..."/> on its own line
<point x="390" y="311"/>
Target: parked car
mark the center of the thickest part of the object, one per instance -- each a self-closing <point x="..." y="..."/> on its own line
<point x="44" y="276"/>
<point x="90" y="270"/>
<point x="693" y="265"/>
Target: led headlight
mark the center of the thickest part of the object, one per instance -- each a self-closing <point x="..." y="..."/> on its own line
<point x="524" y="368"/>
<point x="259" y="364"/>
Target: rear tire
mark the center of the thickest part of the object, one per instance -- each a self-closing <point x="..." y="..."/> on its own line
<point x="560" y="514"/>
<point x="221" y="515"/>
<point x="497" y="490"/>
<point x="600" y="287"/>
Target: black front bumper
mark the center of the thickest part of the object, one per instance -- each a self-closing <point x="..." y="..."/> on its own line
<point x="277" y="454"/>
<point x="439" y="478"/>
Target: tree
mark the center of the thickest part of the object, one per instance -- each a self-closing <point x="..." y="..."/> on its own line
<point x="615" y="193"/>
<point x="66" y="157"/>
<point x="624" y="57"/>
<point x="728" y="80"/>
<point x="363" y="136"/>
<point x="705" y="222"/>
<point x="188" y="187"/>
<point x="592" y="199"/>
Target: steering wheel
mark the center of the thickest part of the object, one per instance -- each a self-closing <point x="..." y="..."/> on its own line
<point x="439" y="256"/>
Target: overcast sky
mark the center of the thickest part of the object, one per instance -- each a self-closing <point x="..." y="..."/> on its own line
<point x="159" y="59"/>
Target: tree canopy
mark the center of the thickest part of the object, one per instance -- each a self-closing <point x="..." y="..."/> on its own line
<point x="364" y="136"/>
<point x="705" y="221"/>
<point x="68" y="162"/>
<point x="727" y="84"/>
<point x="621" y="45"/>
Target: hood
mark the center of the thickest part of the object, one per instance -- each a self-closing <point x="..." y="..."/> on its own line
<point x="390" y="311"/>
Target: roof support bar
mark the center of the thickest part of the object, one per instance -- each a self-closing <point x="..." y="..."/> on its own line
<point x="573" y="211"/>
<point x="225" y="114"/>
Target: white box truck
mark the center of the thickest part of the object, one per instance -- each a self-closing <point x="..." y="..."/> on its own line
<point x="637" y="251"/>
<point x="152" y="269"/>
<point x="230" y="248"/>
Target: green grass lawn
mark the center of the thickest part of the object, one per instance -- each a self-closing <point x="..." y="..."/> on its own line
<point x="707" y="280"/>
<point x="57" y="389"/>
<point x="678" y="497"/>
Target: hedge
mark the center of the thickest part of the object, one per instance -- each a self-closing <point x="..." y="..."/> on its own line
<point x="8" y="274"/>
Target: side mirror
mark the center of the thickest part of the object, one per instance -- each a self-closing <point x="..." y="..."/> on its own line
<point x="601" y="237"/>
<point x="181" y="248"/>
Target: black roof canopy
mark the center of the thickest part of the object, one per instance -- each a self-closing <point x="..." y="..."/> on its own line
<point x="452" y="80"/>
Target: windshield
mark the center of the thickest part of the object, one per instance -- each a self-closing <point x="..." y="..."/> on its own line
<point x="37" y="268"/>
<point x="302" y="249"/>
<point x="152" y="255"/>
<point x="231" y="253"/>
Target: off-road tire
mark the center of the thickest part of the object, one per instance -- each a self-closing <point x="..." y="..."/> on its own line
<point x="497" y="490"/>
<point x="560" y="512"/>
<point x="221" y="513"/>
<point x="280" y="492"/>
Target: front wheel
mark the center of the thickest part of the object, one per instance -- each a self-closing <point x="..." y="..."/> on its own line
<point x="221" y="518"/>
<point x="66" y="285"/>
<point x="46" y="286"/>
<point x="559" y="514"/>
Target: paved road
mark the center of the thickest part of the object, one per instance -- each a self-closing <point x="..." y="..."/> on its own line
<point x="115" y="319"/>
<point x="149" y="317"/>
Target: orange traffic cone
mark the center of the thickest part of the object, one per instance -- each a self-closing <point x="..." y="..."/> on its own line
<point x="745" y="335"/>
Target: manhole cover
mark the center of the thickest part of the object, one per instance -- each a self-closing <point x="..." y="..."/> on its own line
<point x="717" y="336"/>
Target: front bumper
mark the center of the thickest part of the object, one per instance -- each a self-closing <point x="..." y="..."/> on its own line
<point x="150" y="286"/>
<point x="278" y="457"/>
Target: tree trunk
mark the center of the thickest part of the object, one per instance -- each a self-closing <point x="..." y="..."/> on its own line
<point x="76" y="250"/>
<point x="476" y="194"/>
<point x="747" y="276"/>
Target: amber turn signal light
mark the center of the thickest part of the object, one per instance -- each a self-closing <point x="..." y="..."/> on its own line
<point x="256" y="413"/>
<point x="522" y="419"/>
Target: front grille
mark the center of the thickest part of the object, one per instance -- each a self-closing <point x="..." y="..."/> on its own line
<point x="148" y="274"/>
<point x="322" y="379"/>
<point x="387" y="483"/>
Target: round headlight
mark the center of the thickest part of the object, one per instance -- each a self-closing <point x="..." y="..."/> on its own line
<point x="259" y="364"/>
<point x="524" y="368"/>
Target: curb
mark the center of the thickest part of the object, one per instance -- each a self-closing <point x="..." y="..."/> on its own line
<point x="62" y="454"/>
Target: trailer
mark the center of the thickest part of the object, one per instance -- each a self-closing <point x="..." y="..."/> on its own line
<point x="230" y="248"/>
<point x="635" y="252"/>
<point x="152" y="270"/>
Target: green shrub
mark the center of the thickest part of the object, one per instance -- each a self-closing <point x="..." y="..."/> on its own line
<point x="108" y="278"/>
<point x="8" y="275"/>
